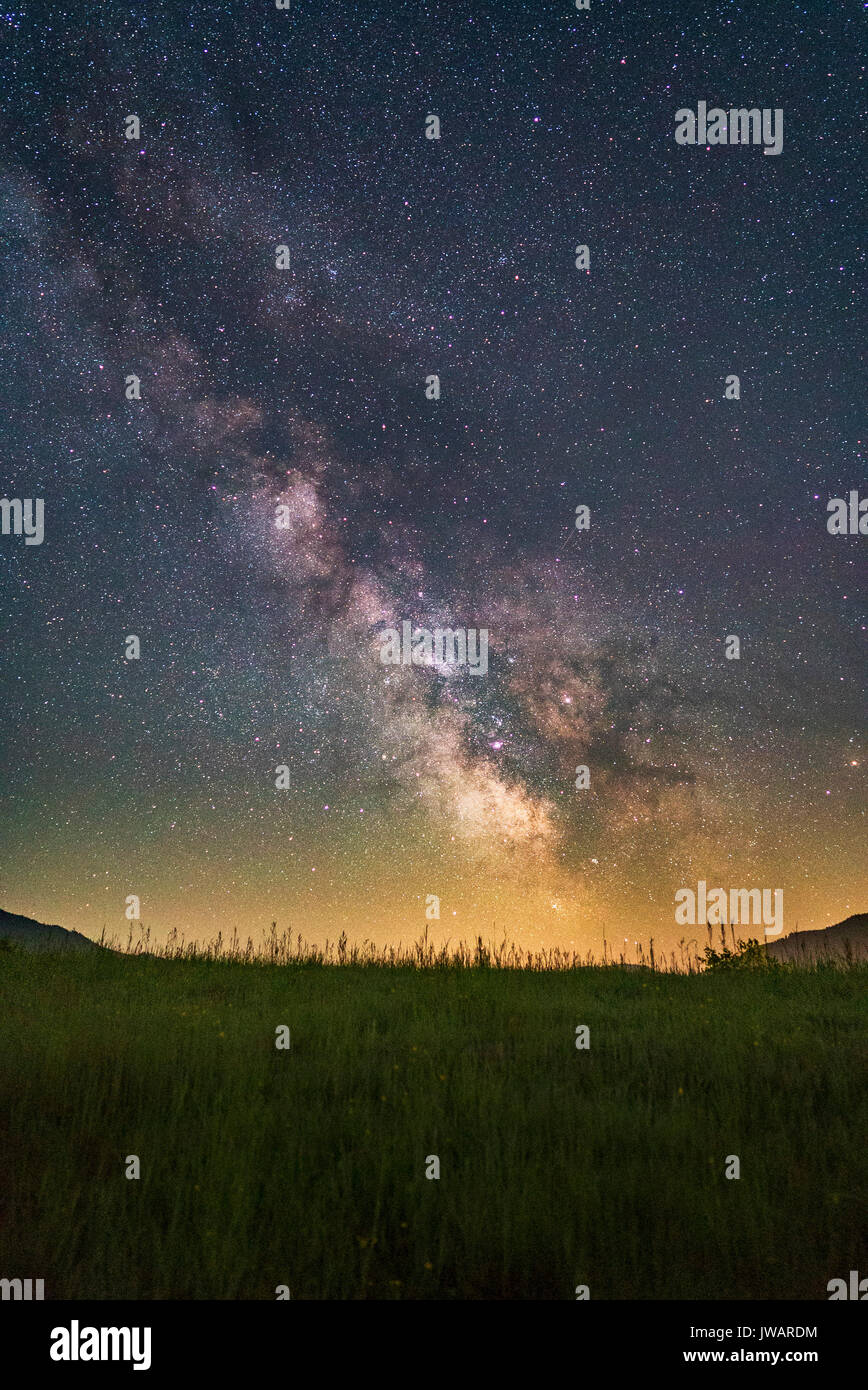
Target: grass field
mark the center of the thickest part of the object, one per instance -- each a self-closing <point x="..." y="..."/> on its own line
<point x="558" y="1167"/>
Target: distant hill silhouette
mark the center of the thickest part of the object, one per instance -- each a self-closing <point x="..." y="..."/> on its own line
<point x="35" y="936"/>
<point x="829" y="943"/>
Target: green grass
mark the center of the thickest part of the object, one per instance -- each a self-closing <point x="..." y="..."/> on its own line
<point x="558" y="1167"/>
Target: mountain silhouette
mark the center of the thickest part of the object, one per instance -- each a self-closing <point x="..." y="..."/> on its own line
<point x="847" y="938"/>
<point x="36" y="936"/>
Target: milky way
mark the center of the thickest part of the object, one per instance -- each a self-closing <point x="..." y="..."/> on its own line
<point x="305" y="389"/>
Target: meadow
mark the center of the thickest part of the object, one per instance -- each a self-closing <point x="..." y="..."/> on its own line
<point x="305" y="1167"/>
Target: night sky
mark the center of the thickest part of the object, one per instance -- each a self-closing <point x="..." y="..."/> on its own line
<point x="306" y="388"/>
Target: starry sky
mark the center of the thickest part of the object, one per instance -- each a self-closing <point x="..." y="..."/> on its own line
<point x="305" y="388"/>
